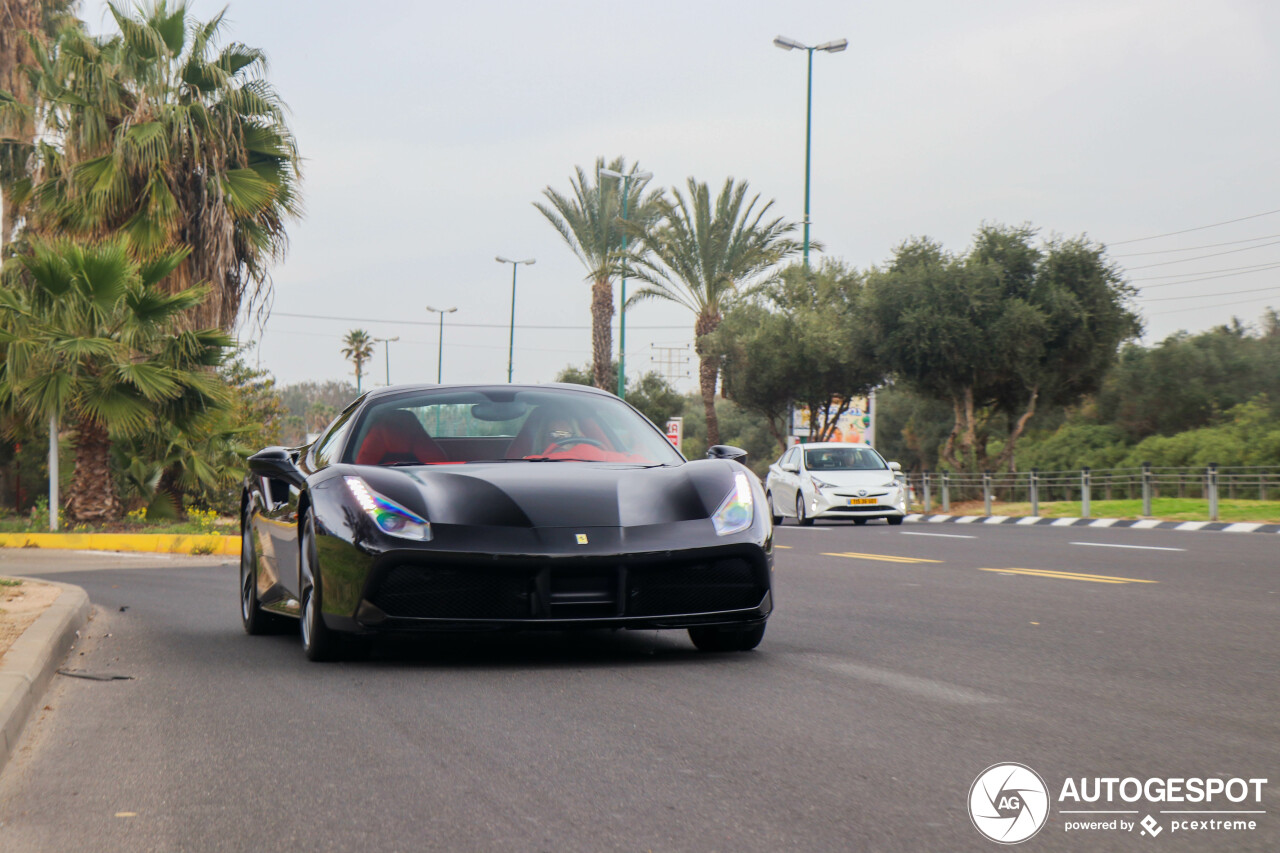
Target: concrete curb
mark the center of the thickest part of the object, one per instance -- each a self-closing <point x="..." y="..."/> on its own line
<point x="164" y="543"/>
<point x="1137" y="523"/>
<point x="31" y="661"/>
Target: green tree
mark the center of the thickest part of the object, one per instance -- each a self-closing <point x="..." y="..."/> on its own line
<point x="156" y="135"/>
<point x="87" y="337"/>
<point x="651" y="394"/>
<point x="802" y="341"/>
<point x="358" y="350"/>
<point x="590" y="222"/>
<point x="704" y="254"/>
<point x="996" y="333"/>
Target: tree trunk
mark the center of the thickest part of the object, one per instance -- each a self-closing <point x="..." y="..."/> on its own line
<point x="169" y="486"/>
<point x="93" y="487"/>
<point x="708" y="371"/>
<point x="948" y="454"/>
<point x="1006" y="455"/>
<point x="968" y="436"/>
<point x="602" y="334"/>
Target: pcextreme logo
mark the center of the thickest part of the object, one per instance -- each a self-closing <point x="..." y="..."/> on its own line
<point x="1008" y="803"/>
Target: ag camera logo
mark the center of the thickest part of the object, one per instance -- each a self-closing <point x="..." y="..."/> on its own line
<point x="1008" y="803"/>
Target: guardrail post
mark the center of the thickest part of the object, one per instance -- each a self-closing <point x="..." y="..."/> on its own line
<point x="1035" y="493"/>
<point x="1146" y="489"/>
<point x="1085" y="488"/>
<point x="986" y="492"/>
<point x="928" y="504"/>
<point x="946" y="492"/>
<point x="1212" y="481"/>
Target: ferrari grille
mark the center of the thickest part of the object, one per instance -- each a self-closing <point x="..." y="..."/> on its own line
<point x="581" y="591"/>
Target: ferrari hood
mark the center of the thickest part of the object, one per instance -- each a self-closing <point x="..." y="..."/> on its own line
<point x="569" y="494"/>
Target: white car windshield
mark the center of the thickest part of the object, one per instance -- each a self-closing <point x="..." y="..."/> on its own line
<point x="843" y="459"/>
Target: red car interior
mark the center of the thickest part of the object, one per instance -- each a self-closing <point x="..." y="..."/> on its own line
<point x="398" y="436"/>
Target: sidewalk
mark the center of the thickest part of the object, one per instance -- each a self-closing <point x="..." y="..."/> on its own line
<point x="1136" y="523"/>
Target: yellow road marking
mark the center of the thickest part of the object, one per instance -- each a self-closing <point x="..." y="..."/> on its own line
<point x="782" y="546"/>
<point x="888" y="558"/>
<point x="1069" y="576"/>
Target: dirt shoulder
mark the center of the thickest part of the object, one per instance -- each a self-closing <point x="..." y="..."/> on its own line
<point x="21" y="603"/>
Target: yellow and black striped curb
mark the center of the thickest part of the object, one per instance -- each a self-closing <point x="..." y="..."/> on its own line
<point x="160" y="543"/>
<point x="31" y="661"/>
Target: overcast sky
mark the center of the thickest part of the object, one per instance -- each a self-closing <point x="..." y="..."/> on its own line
<point x="428" y="129"/>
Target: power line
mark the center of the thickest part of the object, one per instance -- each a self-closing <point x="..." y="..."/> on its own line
<point x="1197" y="228"/>
<point x="1205" y="275"/>
<point x="1202" y="257"/>
<point x="432" y="323"/>
<point x="1208" y="295"/>
<point x="1195" y="248"/>
<point x="1206" y="307"/>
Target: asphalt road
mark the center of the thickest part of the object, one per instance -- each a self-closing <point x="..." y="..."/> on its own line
<point x="892" y="674"/>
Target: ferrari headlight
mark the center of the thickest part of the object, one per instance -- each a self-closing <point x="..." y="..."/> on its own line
<point x="391" y="517"/>
<point x="736" y="510"/>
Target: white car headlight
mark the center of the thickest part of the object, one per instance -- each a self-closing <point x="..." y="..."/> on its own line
<point x="821" y="484"/>
<point x="736" y="510"/>
<point x="391" y="518"/>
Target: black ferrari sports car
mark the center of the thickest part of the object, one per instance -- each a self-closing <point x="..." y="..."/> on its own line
<point x="458" y="507"/>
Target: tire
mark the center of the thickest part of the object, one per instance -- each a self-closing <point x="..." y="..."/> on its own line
<point x="256" y="621"/>
<point x="859" y="521"/>
<point x="773" y="512"/>
<point x="712" y="638"/>
<point x="895" y="520"/>
<point x="319" y="643"/>
<point x="802" y="519"/>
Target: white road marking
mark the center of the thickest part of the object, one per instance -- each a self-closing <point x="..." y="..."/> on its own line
<point x="944" y="535"/>
<point x="1134" y="547"/>
<point x="925" y="688"/>
<point x="823" y="529"/>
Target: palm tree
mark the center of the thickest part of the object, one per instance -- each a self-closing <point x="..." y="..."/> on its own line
<point x="161" y="137"/>
<point x="590" y="221"/>
<point x="87" y="337"/>
<point x="358" y="349"/>
<point x="702" y="256"/>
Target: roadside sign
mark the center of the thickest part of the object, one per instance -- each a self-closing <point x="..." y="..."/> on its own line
<point x="675" y="431"/>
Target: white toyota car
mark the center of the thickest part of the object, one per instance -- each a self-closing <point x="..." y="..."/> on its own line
<point x="835" y="480"/>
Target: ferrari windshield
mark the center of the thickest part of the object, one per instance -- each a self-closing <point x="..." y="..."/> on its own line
<point x="456" y="425"/>
<point x="843" y="459"/>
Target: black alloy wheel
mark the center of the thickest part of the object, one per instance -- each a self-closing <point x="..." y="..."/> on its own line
<point x="256" y="620"/>
<point x="773" y="513"/>
<point x="319" y="643"/>
<point x="713" y="638"/>
<point x="802" y="519"/>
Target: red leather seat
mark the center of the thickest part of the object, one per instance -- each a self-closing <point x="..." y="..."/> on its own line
<point x="398" y="436"/>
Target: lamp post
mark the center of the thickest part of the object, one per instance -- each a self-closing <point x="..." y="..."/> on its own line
<point x="830" y="47"/>
<point x="386" y="350"/>
<point x="511" y="343"/>
<point x="622" y="302"/>
<point x="440" y="352"/>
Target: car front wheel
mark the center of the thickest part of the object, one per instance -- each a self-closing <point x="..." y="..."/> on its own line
<point x="256" y="620"/>
<point x="801" y="517"/>
<point x="318" y="642"/>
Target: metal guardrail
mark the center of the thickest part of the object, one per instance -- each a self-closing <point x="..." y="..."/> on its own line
<point x="1147" y="482"/>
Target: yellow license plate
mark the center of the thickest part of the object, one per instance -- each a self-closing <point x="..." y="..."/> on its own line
<point x="861" y="501"/>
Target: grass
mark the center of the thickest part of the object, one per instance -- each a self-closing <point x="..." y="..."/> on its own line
<point x="1166" y="509"/>
<point x="10" y="582"/>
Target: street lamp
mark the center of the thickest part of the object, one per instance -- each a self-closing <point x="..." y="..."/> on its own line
<point x="830" y="47"/>
<point x="387" y="351"/>
<point x="440" y="353"/>
<point x="622" y="303"/>
<point x="511" y="343"/>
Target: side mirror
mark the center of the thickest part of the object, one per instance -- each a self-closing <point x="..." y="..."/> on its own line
<point x="791" y="468"/>
<point x="276" y="463"/>
<point x="896" y="467"/>
<point x="726" y="451"/>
